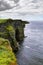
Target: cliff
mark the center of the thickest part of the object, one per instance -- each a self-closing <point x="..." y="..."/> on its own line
<point x="7" y="57"/>
<point x="13" y="31"/>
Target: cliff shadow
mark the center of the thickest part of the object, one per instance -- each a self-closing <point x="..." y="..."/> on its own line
<point x="17" y="35"/>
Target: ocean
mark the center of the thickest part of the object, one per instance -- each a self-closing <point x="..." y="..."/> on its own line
<point x="31" y="49"/>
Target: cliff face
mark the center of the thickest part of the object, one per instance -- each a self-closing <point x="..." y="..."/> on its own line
<point x="13" y="30"/>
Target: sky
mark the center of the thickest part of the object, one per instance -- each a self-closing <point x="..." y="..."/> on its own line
<point x="22" y="9"/>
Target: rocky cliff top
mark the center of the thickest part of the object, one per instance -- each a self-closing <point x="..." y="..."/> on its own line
<point x="11" y="20"/>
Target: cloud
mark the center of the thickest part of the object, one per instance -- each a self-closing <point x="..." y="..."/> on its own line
<point x="16" y="1"/>
<point x="31" y="6"/>
<point x="7" y="4"/>
<point x="22" y="6"/>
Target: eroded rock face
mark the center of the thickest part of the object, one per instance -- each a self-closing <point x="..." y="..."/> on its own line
<point x="13" y="30"/>
<point x="11" y="33"/>
<point x="7" y="57"/>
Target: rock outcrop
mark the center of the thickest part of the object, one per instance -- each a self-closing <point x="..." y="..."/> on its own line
<point x="11" y="33"/>
<point x="13" y="30"/>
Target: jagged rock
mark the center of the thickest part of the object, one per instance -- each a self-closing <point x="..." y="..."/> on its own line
<point x="11" y="33"/>
<point x="13" y="30"/>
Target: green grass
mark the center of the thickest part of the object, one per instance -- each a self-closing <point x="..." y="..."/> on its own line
<point x="3" y="20"/>
<point x="7" y="57"/>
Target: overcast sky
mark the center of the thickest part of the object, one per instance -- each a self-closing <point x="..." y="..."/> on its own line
<point x="25" y="9"/>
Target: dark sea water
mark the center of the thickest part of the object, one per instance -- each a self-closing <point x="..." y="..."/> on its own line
<point x="31" y="49"/>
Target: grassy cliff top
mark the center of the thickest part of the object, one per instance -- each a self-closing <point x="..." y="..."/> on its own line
<point x="5" y="20"/>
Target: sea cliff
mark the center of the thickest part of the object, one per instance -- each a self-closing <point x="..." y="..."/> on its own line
<point x="11" y="33"/>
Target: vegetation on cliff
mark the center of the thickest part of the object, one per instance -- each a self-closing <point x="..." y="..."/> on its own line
<point x="7" y="57"/>
<point x="11" y="33"/>
<point x="3" y="20"/>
